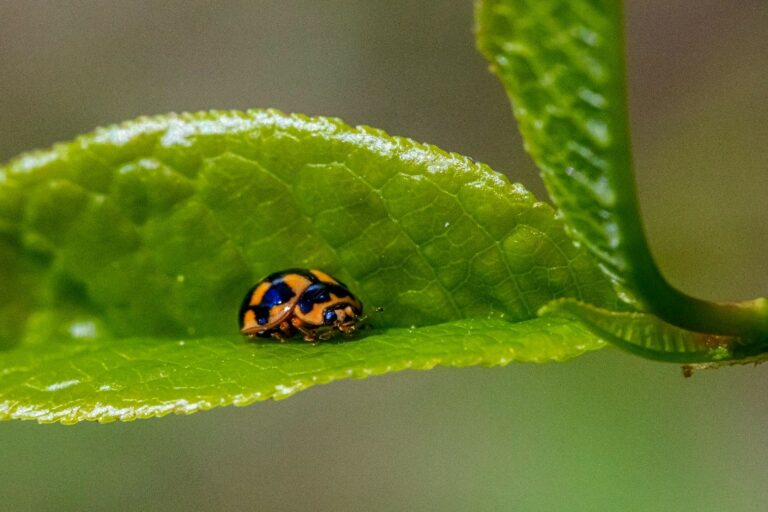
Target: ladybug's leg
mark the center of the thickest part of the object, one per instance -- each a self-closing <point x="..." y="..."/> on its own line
<point x="326" y="335"/>
<point x="286" y="329"/>
<point x="283" y="331"/>
<point x="309" y="334"/>
<point x="347" y="329"/>
<point x="278" y="335"/>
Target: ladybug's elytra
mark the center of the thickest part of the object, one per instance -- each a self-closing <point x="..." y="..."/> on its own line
<point x="298" y="300"/>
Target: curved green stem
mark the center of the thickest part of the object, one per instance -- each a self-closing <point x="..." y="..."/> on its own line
<point x="748" y="319"/>
<point x="562" y="65"/>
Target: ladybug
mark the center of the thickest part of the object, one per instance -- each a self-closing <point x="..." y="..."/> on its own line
<point x="293" y="301"/>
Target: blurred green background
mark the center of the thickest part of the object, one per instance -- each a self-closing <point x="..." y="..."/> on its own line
<point x="607" y="431"/>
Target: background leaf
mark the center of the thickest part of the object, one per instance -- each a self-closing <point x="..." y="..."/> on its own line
<point x="562" y="65"/>
<point x="150" y="233"/>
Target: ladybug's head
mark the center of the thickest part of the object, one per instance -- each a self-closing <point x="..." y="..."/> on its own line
<point x="341" y="314"/>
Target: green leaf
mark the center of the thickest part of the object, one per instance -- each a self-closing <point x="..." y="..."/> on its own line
<point x="125" y="255"/>
<point x="146" y="377"/>
<point x="562" y="65"/>
<point x="651" y="337"/>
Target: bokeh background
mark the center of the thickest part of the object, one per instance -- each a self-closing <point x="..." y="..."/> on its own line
<point x="607" y="431"/>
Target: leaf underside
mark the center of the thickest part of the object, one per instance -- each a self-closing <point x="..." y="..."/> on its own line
<point x="125" y="253"/>
<point x="647" y="335"/>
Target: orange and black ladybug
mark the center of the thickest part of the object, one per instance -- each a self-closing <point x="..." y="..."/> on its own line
<point x="293" y="301"/>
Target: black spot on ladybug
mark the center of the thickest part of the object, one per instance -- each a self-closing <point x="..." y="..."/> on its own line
<point x="278" y="293"/>
<point x="262" y="314"/>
